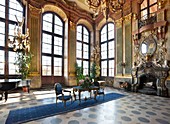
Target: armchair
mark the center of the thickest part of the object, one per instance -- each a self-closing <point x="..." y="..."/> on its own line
<point x="60" y="93"/>
<point x="100" y="91"/>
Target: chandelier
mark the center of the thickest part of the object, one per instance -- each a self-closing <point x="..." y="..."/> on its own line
<point x="105" y="6"/>
<point x="20" y="42"/>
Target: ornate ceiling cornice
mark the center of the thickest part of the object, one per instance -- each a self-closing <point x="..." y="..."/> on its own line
<point x="72" y="11"/>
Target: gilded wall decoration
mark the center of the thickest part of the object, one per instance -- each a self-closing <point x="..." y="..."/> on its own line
<point x="55" y="9"/>
<point x="119" y="22"/>
<point x="34" y="11"/>
<point x="127" y="19"/>
<point x="86" y="23"/>
<point x="72" y="25"/>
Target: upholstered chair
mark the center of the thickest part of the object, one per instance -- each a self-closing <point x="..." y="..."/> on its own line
<point x="61" y="94"/>
<point x="100" y="91"/>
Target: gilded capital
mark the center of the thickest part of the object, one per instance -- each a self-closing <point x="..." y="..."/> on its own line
<point x="34" y="10"/>
<point x="119" y="22"/>
<point x="128" y="18"/>
<point x="72" y="25"/>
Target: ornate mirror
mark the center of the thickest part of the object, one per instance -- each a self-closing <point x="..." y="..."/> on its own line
<point x="148" y="46"/>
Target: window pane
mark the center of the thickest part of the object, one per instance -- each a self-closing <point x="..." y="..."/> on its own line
<point x="85" y="35"/>
<point x="2" y="11"/>
<point x="48" y="18"/>
<point x="57" y="66"/>
<point x="103" y="34"/>
<point x="47" y="26"/>
<point x="79" y="50"/>
<point x="110" y="31"/>
<point x="2" y="40"/>
<point x="58" y="30"/>
<point x="2" y="61"/>
<point x="11" y="29"/>
<point x="57" y="45"/>
<point x="86" y="38"/>
<point x="2" y="2"/>
<point x="79" y="29"/>
<point x="144" y="4"/>
<point x="85" y="51"/>
<point x="152" y="2"/>
<point x="104" y="68"/>
<point x="144" y="14"/>
<point x="46" y="43"/>
<point x="46" y="66"/>
<point x="85" y="67"/>
<point x="153" y="8"/>
<point x="111" y="68"/>
<point x="15" y="8"/>
<point x="13" y="69"/>
<point x="2" y="27"/>
<point x="79" y="36"/>
<point x="79" y="32"/>
<point x="58" y="21"/>
<point x="104" y="51"/>
<point x="79" y="62"/>
<point x="111" y="49"/>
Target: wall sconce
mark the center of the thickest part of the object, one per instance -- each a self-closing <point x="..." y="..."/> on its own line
<point x="123" y="64"/>
<point x="20" y="41"/>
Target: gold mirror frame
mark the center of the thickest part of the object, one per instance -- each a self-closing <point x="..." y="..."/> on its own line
<point x="148" y="46"/>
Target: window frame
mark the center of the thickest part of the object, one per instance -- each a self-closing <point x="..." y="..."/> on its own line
<point x="82" y="43"/>
<point x="52" y="55"/>
<point x="147" y="7"/>
<point x="6" y="48"/>
<point x="107" y="59"/>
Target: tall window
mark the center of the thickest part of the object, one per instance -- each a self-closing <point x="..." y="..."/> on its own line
<point x="8" y="10"/>
<point x="107" y="45"/>
<point x="83" y="48"/>
<point x="52" y="45"/>
<point x="148" y="7"/>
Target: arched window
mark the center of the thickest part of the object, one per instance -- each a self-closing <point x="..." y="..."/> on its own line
<point x="8" y="10"/>
<point x="107" y="45"/>
<point x="52" y="45"/>
<point x="147" y="8"/>
<point x="83" y="48"/>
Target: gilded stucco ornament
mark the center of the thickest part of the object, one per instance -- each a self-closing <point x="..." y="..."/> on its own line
<point x="119" y="22"/>
<point x="128" y="18"/>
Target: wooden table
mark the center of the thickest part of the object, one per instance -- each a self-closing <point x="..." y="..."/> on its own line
<point x="80" y="89"/>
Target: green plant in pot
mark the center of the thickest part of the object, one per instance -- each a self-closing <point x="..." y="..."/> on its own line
<point x="79" y="73"/>
<point x="94" y="71"/>
<point x="23" y="61"/>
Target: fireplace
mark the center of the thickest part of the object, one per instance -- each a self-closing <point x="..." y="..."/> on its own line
<point x="149" y="78"/>
<point x="147" y="84"/>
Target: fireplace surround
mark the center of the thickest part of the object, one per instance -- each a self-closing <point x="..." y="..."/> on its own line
<point x="150" y="78"/>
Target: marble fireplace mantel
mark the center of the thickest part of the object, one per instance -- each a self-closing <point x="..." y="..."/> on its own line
<point x="150" y="68"/>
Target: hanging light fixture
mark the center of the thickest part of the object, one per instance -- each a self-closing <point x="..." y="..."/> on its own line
<point x="105" y="6"/>
<point x="20" y="41"/>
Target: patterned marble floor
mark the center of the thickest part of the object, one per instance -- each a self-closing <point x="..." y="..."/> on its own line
<point x="134" y="108"/>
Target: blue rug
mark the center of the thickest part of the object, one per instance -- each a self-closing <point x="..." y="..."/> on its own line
<point x="38" y="112"/>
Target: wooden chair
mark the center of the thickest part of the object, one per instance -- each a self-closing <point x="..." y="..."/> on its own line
<point x="60" y="94"/>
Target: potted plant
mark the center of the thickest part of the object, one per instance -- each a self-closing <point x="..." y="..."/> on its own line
<point x="94" y="71"/>
<point x="79" y="73"/>
<point x="23" y="61"/>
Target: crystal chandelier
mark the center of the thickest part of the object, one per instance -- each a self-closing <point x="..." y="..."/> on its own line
<point x="20" y="42"/>
<point x="105" y="6"/>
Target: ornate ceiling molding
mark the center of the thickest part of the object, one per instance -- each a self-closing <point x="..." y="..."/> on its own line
<point x="52" y="8"/>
